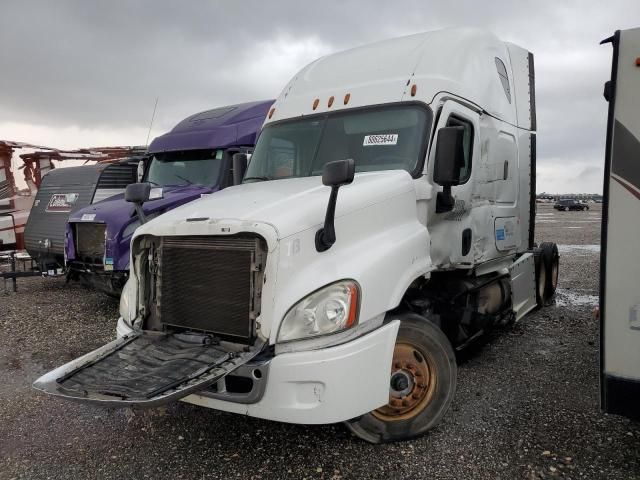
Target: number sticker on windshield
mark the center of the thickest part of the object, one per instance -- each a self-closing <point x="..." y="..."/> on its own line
<point x="384" y="139"/>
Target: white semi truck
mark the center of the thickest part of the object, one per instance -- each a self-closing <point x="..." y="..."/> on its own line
<point x="620" y="260"/>
<point x="386" y="220"/>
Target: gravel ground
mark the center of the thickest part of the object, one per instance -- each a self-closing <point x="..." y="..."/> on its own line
<point x="526" y="406"/>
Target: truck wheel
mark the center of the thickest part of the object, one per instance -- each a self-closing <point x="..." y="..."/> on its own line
<point x="551" y="260"/>
<point x="422" y="385"/>
<point x="541" y="277"/>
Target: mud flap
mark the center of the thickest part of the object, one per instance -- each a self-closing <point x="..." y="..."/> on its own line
<point x="146" y="369"/>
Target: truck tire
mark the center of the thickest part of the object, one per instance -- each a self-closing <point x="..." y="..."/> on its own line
<point x="541" y="277"/>
<point x="422" y="385"/>
<point x="551" y="260"/>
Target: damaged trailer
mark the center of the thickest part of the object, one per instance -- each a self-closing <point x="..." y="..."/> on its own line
<point x="620" y="258"/>
<point x="14" y="203"/>
<point x="192" y="160"/>
<point x="63" y="191"/>
<point x="8" y="237"/>
<point x="386" y="220"/>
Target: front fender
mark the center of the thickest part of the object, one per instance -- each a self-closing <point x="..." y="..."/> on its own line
<point x="383" y="247"/>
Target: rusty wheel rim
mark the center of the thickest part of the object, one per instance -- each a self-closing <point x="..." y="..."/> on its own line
<point x="411" y="386"/>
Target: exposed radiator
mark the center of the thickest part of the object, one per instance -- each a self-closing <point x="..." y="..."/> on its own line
<point x="211" y="284"/>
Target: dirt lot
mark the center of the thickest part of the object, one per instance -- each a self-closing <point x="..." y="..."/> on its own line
<point x="526" y="406"/>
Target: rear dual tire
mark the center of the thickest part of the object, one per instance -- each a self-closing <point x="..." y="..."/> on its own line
<point x="422" y="385"/>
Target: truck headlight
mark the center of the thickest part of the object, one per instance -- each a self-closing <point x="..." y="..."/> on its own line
<point x="331" y="309"/>
<point x="129" y="301"/>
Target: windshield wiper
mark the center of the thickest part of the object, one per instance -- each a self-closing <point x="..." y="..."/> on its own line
<point x="260" y="179"/>
<point x="189" y="182"/>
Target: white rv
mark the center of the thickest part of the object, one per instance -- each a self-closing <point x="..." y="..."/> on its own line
<point x="620" y="260"/>
<point x="385" y="221"/>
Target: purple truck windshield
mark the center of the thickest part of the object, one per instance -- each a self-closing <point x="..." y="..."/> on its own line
<point x="196" y="167"/>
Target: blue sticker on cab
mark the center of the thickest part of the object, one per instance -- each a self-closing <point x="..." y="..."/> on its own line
<point x="500" y="234"/>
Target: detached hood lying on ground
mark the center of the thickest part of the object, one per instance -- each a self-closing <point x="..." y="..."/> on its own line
<point x="289" y="205"/>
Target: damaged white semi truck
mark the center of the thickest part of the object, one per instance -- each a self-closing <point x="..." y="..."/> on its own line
<point x="385" y="221"/>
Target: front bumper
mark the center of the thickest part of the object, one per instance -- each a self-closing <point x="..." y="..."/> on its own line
<point x="122" y="328"/>
<point x="111" y="282"/>
<point x="328" y="385"/>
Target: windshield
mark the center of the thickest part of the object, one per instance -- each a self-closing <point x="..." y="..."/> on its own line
<point x="382" y="138"/>
<point x="190" y="167"/>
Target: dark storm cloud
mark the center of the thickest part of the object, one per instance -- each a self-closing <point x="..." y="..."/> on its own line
<point x="102" y="64"/>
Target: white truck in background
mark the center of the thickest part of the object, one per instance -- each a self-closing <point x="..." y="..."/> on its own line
<point x="620" y="260"/>
<point x="386" y="220"/>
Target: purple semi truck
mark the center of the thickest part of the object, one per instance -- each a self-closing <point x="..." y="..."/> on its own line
<point x="193" y="159"/>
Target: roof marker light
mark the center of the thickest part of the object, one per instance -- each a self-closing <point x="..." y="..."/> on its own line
<point x="638" y="62"/>
<point x="271" y="112"/>
<point x="347" y="97"/>
<point x="330" y="102"/>
<point x="414" y="89"/>
<point x="315" y="103"/>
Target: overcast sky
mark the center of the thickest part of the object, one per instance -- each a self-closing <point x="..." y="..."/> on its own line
<point x="87" y="73"/>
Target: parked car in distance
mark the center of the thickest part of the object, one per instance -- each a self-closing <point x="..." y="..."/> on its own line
<point x="570" y="204"/>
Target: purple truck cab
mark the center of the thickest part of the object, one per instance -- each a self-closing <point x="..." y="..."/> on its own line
<point x="191" y="160"/>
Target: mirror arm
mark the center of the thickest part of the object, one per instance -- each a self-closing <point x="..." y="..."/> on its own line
<point x="326" y="236"/>
<point x="140" y="212"/>
<point x="444" y="200"/>
<point x="239" y="163"/>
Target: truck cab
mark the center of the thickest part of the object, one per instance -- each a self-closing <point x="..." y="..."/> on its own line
<point x="191" y="160"/>
<point x="385" y="221"/>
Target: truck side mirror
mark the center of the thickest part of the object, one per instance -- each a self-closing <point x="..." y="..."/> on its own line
<point x="239" y="162"/>
<point x="449" y="159"/>
<point x="138" y="193"/>
<point x="334" y="174"/>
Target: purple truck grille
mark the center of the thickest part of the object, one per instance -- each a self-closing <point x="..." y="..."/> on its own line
<point x="89" y="239"/>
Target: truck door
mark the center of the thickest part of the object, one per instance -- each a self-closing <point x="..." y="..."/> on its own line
<point x="620" y="256"/>
<point x="452" y="232"/>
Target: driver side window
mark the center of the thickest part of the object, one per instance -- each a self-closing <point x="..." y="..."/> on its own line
<point x="454" y="121"/>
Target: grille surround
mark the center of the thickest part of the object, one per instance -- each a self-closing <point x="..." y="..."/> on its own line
<point x="90" y="241"/>
<point x="211" y="284"/>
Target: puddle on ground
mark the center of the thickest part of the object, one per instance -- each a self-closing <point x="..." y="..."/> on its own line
<point x="571" y="298"/>
<point x="579" y="249"/>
